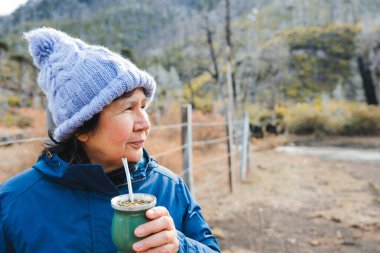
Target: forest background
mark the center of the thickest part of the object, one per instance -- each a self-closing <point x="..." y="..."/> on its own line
<point x="305" y="66"/>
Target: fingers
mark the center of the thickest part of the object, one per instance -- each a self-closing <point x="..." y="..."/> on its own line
<point x="156" y="212"/>
<point x="164" y="249"/>
<point x="155" y="226"/>
<point x="160" y="232"/>
<point x="158" y="242"/>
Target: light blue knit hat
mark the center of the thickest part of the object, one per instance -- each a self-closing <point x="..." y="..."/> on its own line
<point x="80" y="79"/>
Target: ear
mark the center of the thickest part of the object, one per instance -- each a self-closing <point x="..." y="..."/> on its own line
<point x="82" y="137"/>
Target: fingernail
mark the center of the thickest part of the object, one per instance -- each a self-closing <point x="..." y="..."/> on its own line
<point x="137" y="246"/>
<point x="150" y="212"/>
<point x="139" y="231"/>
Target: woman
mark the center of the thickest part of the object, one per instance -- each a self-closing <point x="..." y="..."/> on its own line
<point x="98" y="102"/>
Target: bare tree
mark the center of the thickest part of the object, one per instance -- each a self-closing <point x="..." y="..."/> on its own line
<point x="24" y="63"/>
<point x="229" y="52"/>
<point x="215" y="73"/>
<point x="3" y="51"/>
<point x="368" y="85"/>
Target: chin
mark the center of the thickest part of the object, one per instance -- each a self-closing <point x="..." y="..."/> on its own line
<point x="135" y="156"/>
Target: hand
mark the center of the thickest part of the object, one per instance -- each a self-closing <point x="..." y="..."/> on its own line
<point x="160" y="231"/>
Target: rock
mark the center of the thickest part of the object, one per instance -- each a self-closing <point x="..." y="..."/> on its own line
<point x="335" y="219"/>
<point x="348" y="243"/>
<point x="219" y="233"/>
<point x="314" y="243"/>
<point x="339" y="234"/>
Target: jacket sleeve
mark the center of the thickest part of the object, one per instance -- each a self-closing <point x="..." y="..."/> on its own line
<point x="5" y="245"/>
<point x="196" y="234"/>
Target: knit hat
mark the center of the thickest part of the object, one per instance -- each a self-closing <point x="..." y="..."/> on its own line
<point x="79" y="80"/>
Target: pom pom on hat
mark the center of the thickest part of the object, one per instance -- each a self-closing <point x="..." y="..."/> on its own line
<point x="79" y="79"/>
<point x="42" y="43"/>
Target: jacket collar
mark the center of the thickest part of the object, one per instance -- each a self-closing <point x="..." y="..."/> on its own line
<point x="89" y="176"/>
<point x="140" y="170"/>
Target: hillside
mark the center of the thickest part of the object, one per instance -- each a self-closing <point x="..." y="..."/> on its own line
<point x="170" y="39"/>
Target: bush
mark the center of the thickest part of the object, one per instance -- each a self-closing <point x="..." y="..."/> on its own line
<point x="14" y="101"/>
<point x="9" y="119"/>
<point x="28" y="102"/>
<point x="304" y="119"/>
<point x="24" y="122"/>
<point x="341" y="118"/>
<point x="363" y="121"/>
<point x="262" y="115"/>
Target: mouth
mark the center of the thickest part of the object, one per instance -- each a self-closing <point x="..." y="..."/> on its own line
<point x="137" y="144"/>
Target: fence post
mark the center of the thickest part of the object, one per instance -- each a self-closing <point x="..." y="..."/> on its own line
<point x="187" y="139"/>
<point x="230" y="150"/>
<point x="244" y="157"/>
<point x="249" y="154"/>
<point x="4" y="108"/>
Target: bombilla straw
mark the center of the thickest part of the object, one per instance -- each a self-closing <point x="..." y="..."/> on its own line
<point x="126" y="168"/>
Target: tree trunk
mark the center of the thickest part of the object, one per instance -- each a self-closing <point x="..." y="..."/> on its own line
<point x="215" y="74"/>
<point x="230" y="49"/>
<point x="368" y="85"/>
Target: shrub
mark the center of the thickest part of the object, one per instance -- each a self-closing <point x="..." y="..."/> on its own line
<point x="14" y="101"/>
<point x="342" y="118"/>
<point x="362" y="121"/>
<point x="28" y="102"/>
<point x="303" y="119"/>
<point x="9" y="119"/>
<point x="24" y="122"/>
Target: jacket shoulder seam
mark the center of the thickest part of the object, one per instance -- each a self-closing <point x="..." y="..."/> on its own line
<point x="23" y="191"/>
<point x="161" y="170"/>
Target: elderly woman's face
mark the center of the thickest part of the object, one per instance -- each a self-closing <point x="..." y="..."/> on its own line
<point x="121" y="131"/>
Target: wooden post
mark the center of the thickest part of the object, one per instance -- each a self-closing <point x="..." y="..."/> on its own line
<point x="249" y="153"/>
<point x="187" y="139"/>
<point x="4" y="110"/>
<point x="230" y="118"/>
<point x="244" y="156"/>
<point x="230" y="151"/>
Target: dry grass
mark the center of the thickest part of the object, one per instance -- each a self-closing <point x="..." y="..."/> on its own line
<point x="19" y="157"/>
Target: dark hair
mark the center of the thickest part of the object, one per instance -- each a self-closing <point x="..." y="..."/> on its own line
<point x="71" y="150"/>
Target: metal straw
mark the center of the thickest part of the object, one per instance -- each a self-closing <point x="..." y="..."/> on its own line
<point x="125" y="163"/>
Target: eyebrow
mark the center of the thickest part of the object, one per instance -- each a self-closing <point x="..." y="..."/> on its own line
<point x="132" y="101"/>
<point x="127" y="95"/>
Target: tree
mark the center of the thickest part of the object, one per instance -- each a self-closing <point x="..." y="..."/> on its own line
<point x="229" y="52"/>
<point x="3" y="51"/>
<point x="24" y="63"/>
<point x="368" y="85"/>
<point x="215" y="72"/>
<point x="368" y="59"/>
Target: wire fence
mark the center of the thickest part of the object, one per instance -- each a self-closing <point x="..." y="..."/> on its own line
<point x="218" y="159"/>
<point x="13" y="140"/>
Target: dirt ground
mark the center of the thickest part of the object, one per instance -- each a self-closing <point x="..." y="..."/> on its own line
<point x="298" y="203"/>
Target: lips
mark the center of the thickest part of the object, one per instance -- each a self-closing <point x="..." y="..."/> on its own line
<point x="137" y="144"/>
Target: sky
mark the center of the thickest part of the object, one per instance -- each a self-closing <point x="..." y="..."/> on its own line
<point x="8" y="6"/>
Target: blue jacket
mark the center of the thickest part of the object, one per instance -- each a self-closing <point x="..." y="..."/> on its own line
<point x="60" y="207"/>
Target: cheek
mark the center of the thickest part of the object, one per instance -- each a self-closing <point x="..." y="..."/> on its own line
<point x="120" y="131"/>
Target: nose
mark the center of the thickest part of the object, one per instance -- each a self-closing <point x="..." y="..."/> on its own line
<point x="142" y="122"/>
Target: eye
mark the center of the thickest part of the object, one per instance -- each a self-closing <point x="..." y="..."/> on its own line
<point x="129" y="108"/>
<point x="144" y="106"/>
